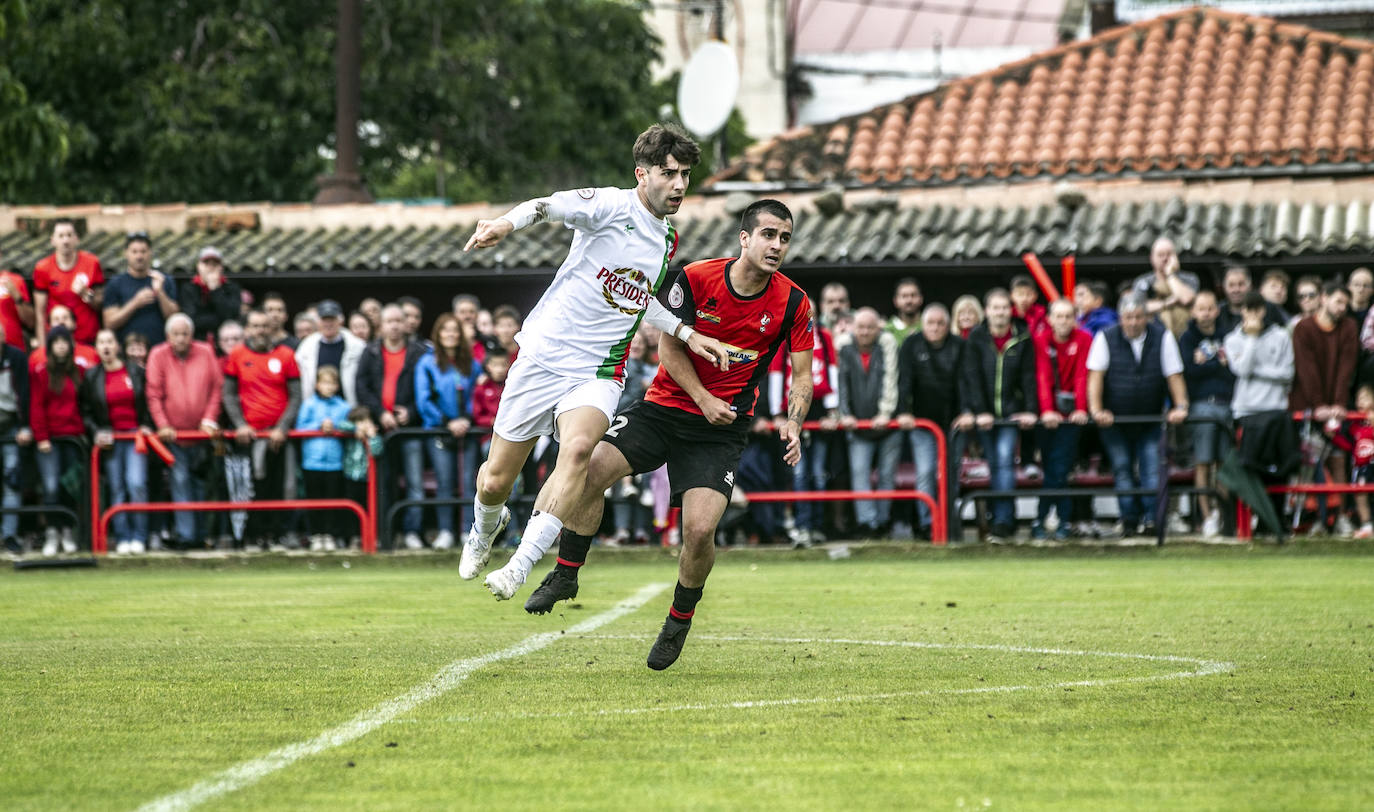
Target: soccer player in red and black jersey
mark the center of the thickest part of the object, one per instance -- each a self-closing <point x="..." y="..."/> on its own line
<point x="696" y="418"/>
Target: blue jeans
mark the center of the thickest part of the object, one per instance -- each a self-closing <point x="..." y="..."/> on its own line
<point x="924" y="455"/>
<point x="126" y="472"/>
<point x="1059" y="450"/>
<point x="810" y="475"/>
<point x="10" y="472"/>
<point x="1000" y="445"/>
<point x="186" y="488"/>
<point x="50" y="467"/>
<point x="1131" y="447"/>
<point x="444" y="457"/>
<point x="413" y="466"/>
<point x="888" y="449"/>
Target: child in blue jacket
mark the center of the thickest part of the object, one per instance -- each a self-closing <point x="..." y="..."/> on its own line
<point x="322" y="458"/>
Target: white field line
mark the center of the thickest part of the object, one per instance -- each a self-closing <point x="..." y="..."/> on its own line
<point x="447" y="678"/>
<point x="1202" y="668"/>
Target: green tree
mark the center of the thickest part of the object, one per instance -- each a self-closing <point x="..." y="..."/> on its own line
<point x="34" y="134"/>
<point x="203" y="100"/>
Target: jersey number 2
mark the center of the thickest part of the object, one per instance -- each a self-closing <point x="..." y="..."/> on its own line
<point x="620" y="421"/>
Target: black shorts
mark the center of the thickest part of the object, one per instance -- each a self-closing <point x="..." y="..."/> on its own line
<point x="698" y="454"/>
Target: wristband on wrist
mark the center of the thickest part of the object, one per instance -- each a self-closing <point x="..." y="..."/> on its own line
<point x="682" y="332"/>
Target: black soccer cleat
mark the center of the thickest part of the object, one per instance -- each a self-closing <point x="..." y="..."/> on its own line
<point x="669" y="643"/>
<point x="556" y="586"/>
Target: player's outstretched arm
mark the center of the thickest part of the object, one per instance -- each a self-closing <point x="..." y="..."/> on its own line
<point x="539" y="210"/>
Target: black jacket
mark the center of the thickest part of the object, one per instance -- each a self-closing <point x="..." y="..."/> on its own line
<point x="14" y="363"/>
<point x="209" y="309"/>
<point x="95" y="410"/>
<point x="928" y="378"/>
<point x="371" y="370"/>
<point x="1001" y="384"/>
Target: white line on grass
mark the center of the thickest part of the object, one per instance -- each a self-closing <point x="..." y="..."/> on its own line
<point x="1202" y="668"/>
<point x="448" y="678"/>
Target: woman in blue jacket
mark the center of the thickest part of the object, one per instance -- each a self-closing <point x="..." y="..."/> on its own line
<point x="322" y="457"/>
<point x="444" y="380"/>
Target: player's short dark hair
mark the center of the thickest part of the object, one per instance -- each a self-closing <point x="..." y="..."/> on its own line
<point x="1022" y="281"/>
<point x="749" y="220"/>
<point x="654" y="145"/>
<point x="1335" y="286"/>
<point x="996" y="293"/>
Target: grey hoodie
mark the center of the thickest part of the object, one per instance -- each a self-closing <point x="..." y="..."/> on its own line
<point x="1263" y="366"/>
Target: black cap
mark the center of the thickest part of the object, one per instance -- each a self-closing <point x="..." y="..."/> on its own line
<point x="329" y="309"/>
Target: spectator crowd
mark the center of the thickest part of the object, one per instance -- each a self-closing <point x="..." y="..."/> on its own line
<point x="190" y="389"/>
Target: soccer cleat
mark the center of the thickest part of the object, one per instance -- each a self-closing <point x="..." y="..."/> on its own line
<point x="504" y="582"/>
<point x="477" y="548"/>
<point x="556" y="586"/>
<point x="669" y="643"/>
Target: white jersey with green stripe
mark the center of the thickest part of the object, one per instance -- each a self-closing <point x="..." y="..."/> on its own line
<point x="618" y="259"/>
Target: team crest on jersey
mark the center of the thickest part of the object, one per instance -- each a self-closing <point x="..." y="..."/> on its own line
<point x="764" y="320"/>
<point x="586" y="194"/>
<point x="675" y="296"/>
<point x="274" y="365"/>
<point x="630" y="284"/>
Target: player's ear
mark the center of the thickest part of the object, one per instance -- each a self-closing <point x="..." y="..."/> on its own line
<point x="640" y="174"/>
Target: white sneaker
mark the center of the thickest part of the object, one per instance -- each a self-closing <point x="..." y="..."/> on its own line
<point x="1177" y="526"/>
<point x="413" y="542"/>
<point x="137" y="547"/>
<point x="50" y="541"/>
<point x="121" y="548"/>
<point x="1211" y="526"/>
<point x="1343" y="527"/>
<point x="444" y="541"/>
<point x="69" y="540"/>
<point x="504" y="582"/>
<point x="477" y="549"/>
<point x="328" y="544"/>
<point x="316" y="543"/>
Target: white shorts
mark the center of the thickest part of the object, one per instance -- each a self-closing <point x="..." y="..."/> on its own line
<point x="535" y="397"/>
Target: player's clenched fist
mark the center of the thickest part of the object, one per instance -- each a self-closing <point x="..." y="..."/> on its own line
<point x="717" y="412"/>
<point x="489" y="233"/>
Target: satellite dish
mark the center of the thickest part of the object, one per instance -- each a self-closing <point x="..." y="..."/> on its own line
<point x="706" y="94"/>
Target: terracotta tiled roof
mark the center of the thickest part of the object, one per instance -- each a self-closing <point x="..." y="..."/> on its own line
<point x="881" y="234"/>
<point x="1196" y="89"/>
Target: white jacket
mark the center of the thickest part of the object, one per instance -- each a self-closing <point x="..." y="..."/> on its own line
<point x="308" y="359"/>
<point x="1263" y="366"/>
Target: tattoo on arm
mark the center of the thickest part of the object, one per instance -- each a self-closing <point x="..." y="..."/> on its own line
<point x="541" y="212"/>
<point x="799" y="401"/>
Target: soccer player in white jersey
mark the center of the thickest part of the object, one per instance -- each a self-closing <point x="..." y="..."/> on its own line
<point x="570" y="371"/>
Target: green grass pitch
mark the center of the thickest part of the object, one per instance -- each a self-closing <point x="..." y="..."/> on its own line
<point x="900" y="678"/>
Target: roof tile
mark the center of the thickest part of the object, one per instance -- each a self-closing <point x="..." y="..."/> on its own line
<point x="1196" y="88"/>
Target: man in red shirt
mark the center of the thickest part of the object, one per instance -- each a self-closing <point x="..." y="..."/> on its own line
<point x="1061" y="358"/>
<point x="16" y="312"/>
<point x="696" y="418"/>
<point x="262" y="392"/>
<point x="71" y="278"/>
<point x="183" y="390"/>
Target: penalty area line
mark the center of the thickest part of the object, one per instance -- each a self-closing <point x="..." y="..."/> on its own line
<point x="446" y="679"/>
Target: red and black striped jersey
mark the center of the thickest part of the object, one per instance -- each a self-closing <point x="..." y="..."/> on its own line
<point x="753" y="329"/>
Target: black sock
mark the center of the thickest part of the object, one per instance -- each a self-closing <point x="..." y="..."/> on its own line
<point x="572" y="551"/>
<point x="684" y="602"/>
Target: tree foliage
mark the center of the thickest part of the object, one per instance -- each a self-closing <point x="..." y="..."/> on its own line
<point x="160" y="100"/>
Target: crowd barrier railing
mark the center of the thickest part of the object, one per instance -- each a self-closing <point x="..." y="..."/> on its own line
<point x="938" y="504"/>
<point x="82" y="499"/>
<point x="101" y="519"/>
<point x="983" y="494"/>
<point x="1244" y="513"/>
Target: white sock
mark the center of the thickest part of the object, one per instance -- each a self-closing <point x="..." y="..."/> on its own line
<point x="540" y="534"/>
<point x="485" y="516"/>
